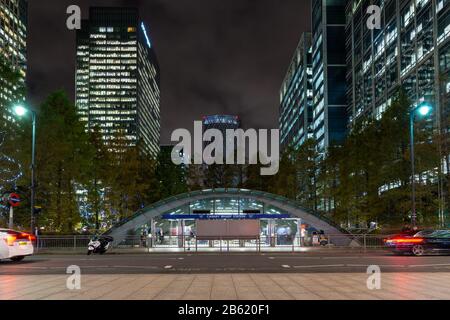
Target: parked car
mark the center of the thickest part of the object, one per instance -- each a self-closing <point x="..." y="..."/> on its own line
<point x="15" y="245"/>
<point x="421" y="243"/>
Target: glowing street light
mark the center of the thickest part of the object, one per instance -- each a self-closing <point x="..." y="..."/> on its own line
<point x="423" y="109"/>
<point x="21" y="111"/>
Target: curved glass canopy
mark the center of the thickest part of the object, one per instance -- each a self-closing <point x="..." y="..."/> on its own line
<point x="225" y="207"/>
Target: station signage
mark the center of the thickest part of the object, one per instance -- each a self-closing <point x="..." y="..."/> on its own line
<point x="224" y="216"/>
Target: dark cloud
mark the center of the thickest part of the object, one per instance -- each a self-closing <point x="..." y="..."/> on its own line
<point x="216" y="56"/>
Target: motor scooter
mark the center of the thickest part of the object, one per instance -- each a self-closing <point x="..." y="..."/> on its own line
<point x="99" y="244"/>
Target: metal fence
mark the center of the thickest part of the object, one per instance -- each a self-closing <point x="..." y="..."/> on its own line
<point x="80" y="242"/>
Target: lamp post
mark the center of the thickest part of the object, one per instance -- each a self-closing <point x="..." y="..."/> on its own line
<point x="21" y="111"/>
<point x="423" y="109"/>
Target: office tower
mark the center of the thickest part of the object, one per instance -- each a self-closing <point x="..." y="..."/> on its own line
<point x="13" y="50"/>
<point x="221" y="122"/>
<point x="220" y="175"/>
<point x="117" y="77"/>
<point x="411" y="50"/>
<point x="296" y="97"/>
<point x="329" y="69"/>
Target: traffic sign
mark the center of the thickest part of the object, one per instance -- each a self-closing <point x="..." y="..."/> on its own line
<point x="14" y="200"/>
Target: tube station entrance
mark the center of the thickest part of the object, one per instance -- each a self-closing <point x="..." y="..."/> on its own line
<point x="224" y="225"/>
<point x="226" y="220"/>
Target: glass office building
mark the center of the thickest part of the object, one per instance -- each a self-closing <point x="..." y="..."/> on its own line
<point x="221" y="122"/>
<point x="117" y="77"/>
<point x="329" y="70"/>
<point x="411" y="49"/>
<point x="13" y="48"/>
<point x="296" y="97"/>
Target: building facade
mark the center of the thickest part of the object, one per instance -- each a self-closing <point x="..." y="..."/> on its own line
<point x="296" y="97"/>
<point x="410" y="50"/>
<point x="329" y="69"/>
<point x="13" y="49"/>
<point x="221" y="122"/>
<point x="117" y="78"/>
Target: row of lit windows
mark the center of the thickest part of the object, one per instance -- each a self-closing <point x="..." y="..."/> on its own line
<point x="113" y="61"/>
<point x="113" y="55"/>
<point x="113" y="80"/>
<point x="110" y="74"/>
<point x="116" y="99"/>
<point x="106" y="92"/>
<point x="113" y="87"/>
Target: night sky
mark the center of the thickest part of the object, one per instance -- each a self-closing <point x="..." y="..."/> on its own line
<point x="216" y="56"/>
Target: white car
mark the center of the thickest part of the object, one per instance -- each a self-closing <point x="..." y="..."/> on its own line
<point x="15" y="245"/>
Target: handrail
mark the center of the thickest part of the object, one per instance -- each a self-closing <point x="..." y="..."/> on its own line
<point x="244" y="192"/>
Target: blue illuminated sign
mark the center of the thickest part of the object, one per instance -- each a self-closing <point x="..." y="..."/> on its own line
<point x="224" y="216"/>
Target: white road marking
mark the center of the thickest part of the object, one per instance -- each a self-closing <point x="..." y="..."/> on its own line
<point x="366" y="265"/>
<point x="349" y="257"/>
<point x="321" y="266"/>
<point x="167" y="267"/>
<point x="285" y="266"/>
<point x="430" y="265"/>
<point x="136" y="267"/>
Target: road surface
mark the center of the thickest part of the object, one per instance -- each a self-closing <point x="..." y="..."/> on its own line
<point x="216" y="263"/>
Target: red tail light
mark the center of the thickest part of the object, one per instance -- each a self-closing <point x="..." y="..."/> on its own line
<point x="405" y="240"/>
<point x="10" y="239"/>
<point x="13" y="236"/>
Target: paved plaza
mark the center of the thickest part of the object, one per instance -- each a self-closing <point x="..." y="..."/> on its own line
<point x="324" y="286"/>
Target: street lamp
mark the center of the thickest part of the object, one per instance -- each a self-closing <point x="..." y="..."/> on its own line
<point x="21" y="111"/>
<point x="423" y="109"/>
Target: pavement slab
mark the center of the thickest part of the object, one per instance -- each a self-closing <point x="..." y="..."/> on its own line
<point x="321" y="286"/>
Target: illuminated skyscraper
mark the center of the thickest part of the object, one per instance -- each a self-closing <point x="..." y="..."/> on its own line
<point x="411" y="50"/>
<point x="117" y="77"/>
<point x="13" y="48"/>
<point x="296" y="97"/>
<point x="329" y="70"/>
<point x="221" y="122"/>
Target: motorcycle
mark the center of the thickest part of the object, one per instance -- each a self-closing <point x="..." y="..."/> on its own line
<point x="99" y="244"/>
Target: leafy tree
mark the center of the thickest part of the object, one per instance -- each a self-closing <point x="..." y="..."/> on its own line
<point x="98" y="177"/>
<point x="11" y="131"/>
<point x="171" y="177"/>
<point x="305" y="162"/>
<point x="62" y="155"/>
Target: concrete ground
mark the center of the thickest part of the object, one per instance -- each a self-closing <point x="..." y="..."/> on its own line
<point x="307" y="276"/>
<point x="323" y="286"/>
<point x="317" y="262"/>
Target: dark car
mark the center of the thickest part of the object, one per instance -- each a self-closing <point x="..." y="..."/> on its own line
<point x="421" y="243"/>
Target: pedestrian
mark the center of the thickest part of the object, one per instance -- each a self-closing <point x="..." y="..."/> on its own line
<point x="302" y="237"/>
<point x="161" y="235"/>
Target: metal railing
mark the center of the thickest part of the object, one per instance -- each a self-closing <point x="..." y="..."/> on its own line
<point x="80" y="242"/>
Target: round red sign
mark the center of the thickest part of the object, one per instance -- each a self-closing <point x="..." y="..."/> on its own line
<point x="14" y="200"/>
